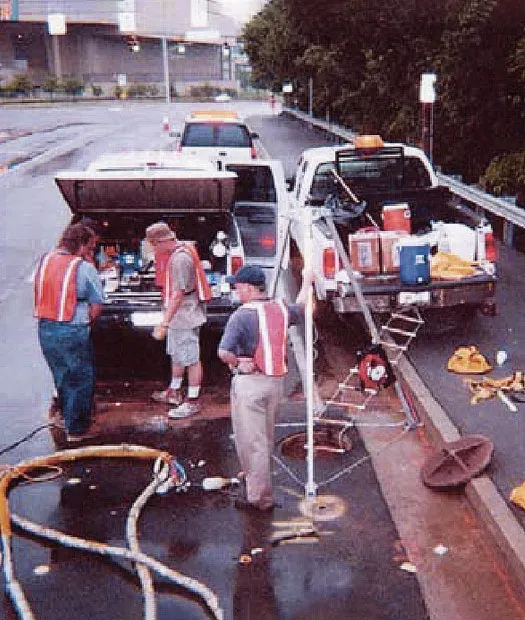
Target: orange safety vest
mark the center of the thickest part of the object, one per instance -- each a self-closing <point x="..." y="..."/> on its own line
<point x="55" y="286"/>
<point x="271" y="352"/>
<point x="201" y="281"/>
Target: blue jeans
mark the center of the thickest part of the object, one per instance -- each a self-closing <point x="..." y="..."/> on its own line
<point x="68" y="351"/>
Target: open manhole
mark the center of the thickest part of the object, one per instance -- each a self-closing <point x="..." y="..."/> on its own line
<point x="323" y="508"/>
<point x="328" y="441"/>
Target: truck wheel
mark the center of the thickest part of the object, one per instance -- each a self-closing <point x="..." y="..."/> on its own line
<point x="441" y="321"/>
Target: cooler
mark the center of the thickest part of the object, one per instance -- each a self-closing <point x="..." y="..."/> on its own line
<point x="363" y="248"/>
<point x="414" y="261"/>
<point x="397" y="217"/>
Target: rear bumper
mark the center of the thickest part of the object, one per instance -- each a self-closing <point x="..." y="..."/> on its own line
<point x="476" y="291"/>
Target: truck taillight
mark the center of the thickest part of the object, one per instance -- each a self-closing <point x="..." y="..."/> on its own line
<point x="253" y="152"/>
<point x="236" y="263"/>
<point x="491" y="253"/>
<point x="329" y="263"/>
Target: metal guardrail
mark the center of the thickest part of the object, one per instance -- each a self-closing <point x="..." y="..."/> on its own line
<point x="512" y="214"/>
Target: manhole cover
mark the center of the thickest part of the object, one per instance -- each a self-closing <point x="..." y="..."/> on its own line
<point x="328" y="440"/>
<point x="323" y="507"/>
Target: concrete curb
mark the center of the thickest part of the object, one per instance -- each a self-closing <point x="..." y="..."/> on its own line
<point x="481" y="491"/>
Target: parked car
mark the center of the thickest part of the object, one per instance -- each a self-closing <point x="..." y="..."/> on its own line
<point x="219" y="135"/>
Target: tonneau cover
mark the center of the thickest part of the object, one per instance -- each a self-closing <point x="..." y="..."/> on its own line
<point x="147" y="190"/>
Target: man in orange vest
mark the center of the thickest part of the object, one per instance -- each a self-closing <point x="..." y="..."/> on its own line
<point x="254" y="345"/>
<point x="185" y="289"/>
<point x="68" y="297"/>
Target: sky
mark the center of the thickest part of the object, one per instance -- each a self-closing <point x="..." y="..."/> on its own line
<point x="241" y="10"/>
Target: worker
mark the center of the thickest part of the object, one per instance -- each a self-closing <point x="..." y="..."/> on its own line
<point x="254" y="345"/>
<point x="185" y="289"/>
<point x="68" y="298"/>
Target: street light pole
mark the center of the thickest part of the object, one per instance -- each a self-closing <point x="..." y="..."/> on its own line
<point x="166" y="67"/>
<point x="427" y="97"/>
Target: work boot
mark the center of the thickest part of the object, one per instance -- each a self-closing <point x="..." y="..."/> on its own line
<point x="168" y="396"/>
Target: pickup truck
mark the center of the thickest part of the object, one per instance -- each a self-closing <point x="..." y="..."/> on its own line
<point x="232" y="215"/>
<point x="348" y="189"/>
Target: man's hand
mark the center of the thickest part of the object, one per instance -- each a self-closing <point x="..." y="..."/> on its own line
<point x="159" y="331"/>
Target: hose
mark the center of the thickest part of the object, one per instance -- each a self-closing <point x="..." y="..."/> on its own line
<point x="163" y="465"/>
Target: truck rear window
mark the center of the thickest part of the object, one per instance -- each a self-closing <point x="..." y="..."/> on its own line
<point x="371" y="174"/>
<point x="216" y="134"/>
<point x="257" y="225"/>
<point x="254" y="183"/>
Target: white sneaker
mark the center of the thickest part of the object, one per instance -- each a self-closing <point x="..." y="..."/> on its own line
<point x="188" y="408"/>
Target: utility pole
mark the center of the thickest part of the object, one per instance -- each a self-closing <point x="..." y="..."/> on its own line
<point x="166" y="67"/>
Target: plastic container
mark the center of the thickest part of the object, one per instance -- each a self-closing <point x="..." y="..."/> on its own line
<point x="364" y="251"/>
<point x="397" y="217"/>
<point x="390" y="251"/>
<point x="414" y="261"/>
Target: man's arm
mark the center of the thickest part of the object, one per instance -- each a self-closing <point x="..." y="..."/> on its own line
<point x="174" y="303"/>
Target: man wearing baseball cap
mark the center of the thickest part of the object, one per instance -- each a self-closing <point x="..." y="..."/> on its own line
<point x="180" y="276"/>
<point x="254" y="345"/>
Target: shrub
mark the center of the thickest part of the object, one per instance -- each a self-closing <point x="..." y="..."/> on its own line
<point x="20" y="84"/>
<point x="506" y="175"/>
<point x="51" y="85"/>
<point x="96" y="90"/>
<point x="73" y="87"/>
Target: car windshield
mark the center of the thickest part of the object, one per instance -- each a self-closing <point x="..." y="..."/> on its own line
<point x="216" y="134"/>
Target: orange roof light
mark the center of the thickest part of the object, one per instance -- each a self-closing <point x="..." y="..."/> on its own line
<point x="368" y="142"/>
<point x="214" y="114"/>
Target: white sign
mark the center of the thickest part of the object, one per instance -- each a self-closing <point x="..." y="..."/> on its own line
<point x="122" y="79"/>
<point x="287" y="87"/>
<point x="56" y="23"/>
<point x="202" y="36"/>
<point x="427" y="93"/>
<point x="199" y="13"/>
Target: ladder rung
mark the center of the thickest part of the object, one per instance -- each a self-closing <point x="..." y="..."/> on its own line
<point x="410" y="319"/>
<point x="393" y="345"/>
<point x="395" y="330"/>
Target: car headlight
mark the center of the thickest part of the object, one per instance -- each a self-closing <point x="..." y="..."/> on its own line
<point x="146" y="319"/>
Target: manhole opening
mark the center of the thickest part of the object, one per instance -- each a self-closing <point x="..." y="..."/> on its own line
<point x="329" y="441"/>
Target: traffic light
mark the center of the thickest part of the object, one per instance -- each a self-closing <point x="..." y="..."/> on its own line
<point x="133" y="44"/>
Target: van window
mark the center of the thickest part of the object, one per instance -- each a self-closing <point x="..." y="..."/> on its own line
<point x="216" y="134"/>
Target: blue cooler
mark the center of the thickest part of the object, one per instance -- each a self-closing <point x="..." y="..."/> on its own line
<point x="414" y="261"/>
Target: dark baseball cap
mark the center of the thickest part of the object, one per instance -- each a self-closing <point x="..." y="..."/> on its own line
<point x="249" y="274"/>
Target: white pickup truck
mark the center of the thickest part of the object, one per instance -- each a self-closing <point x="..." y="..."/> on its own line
<point x="349" y="189"/>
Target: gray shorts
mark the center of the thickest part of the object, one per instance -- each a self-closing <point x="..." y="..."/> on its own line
<point x="183" y="346"/>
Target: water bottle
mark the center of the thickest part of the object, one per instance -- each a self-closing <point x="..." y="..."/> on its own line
<point x="217" y="482"/>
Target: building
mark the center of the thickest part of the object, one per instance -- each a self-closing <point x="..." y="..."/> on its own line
<point x="124" y="42"/>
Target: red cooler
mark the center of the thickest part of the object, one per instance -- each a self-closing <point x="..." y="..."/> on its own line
<point x="397" y="217"/>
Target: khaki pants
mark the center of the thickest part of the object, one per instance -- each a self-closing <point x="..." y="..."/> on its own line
<point x="255" y="400"/>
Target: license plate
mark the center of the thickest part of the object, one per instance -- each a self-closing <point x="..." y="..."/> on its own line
<point x="407" y="298"/>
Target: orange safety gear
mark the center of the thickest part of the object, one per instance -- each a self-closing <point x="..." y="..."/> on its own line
<point x="55" y="287"/>
<point x="270" y="354"/>
<point x="468" y="360"/>
<point x="201" y="282"/>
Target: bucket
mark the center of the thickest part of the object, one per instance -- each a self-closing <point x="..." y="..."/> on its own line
<point x="364" y="251"/>
<point x="414" y="261"/>
<point x="397" y="217"/>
